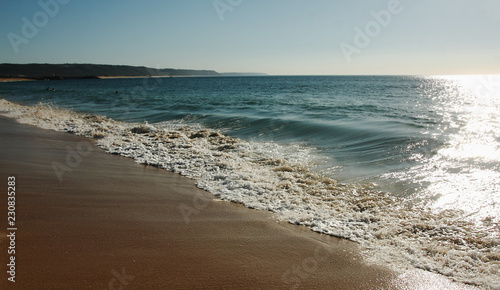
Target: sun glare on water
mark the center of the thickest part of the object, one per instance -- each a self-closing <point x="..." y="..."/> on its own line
<point x="465" y="173"/>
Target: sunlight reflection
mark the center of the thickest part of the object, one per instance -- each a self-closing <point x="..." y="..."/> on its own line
<point x="464" y="174"/>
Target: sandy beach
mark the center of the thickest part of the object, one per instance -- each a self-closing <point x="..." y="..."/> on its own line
<point x="250" y="145"/>
<point x="90" y="220"/>
<point x="14" y="79"/>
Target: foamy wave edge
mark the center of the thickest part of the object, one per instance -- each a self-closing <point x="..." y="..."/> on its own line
<point x="260" y="176"/>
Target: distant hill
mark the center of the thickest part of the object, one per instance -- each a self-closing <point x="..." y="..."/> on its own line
<point x="235" y="74"/>
<point x="80" y="71"/>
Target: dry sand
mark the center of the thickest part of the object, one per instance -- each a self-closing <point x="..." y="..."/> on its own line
<point x="110" y="223"/>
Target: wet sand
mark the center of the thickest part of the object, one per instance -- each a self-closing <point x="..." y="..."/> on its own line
<point x="90" y="220"/>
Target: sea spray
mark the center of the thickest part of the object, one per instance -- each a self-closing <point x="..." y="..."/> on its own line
<point x="281" y="179"/>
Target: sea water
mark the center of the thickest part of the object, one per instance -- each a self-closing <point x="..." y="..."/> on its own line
<point x="407" y="166"/>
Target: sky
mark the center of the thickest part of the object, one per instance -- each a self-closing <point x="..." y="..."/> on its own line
<point x="278" y="37"/>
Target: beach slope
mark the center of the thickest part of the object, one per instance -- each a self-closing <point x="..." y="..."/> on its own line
<point x="90" y="220"/>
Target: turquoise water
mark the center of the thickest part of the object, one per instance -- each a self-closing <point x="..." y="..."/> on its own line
<point x="431" y="142"/>
<point x="360" y="123"/>
<point x="364" y="126"/>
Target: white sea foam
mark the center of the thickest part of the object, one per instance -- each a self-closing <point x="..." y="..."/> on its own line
<point x="278" y="178"/>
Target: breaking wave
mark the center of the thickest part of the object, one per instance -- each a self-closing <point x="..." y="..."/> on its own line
<point x="282" y="179"/>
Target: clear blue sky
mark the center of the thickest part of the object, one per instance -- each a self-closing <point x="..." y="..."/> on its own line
<point x="272" y="36"/>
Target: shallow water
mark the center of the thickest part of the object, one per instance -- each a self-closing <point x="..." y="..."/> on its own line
<point x="406" y="166"/>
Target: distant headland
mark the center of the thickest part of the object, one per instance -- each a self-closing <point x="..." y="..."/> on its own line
<point x="38" y="71"/>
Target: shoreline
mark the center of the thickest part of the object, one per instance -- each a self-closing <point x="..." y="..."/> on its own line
<point x="2" y="80"/>
<point x="105" y="78"/>
<point x="110" y="215"/>
<point x="115" y="77"/>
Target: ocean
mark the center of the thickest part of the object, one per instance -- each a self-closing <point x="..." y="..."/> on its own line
<point x="406" y="166"/>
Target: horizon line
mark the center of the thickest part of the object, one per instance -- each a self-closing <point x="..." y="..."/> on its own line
<point x="265" y="74"/>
